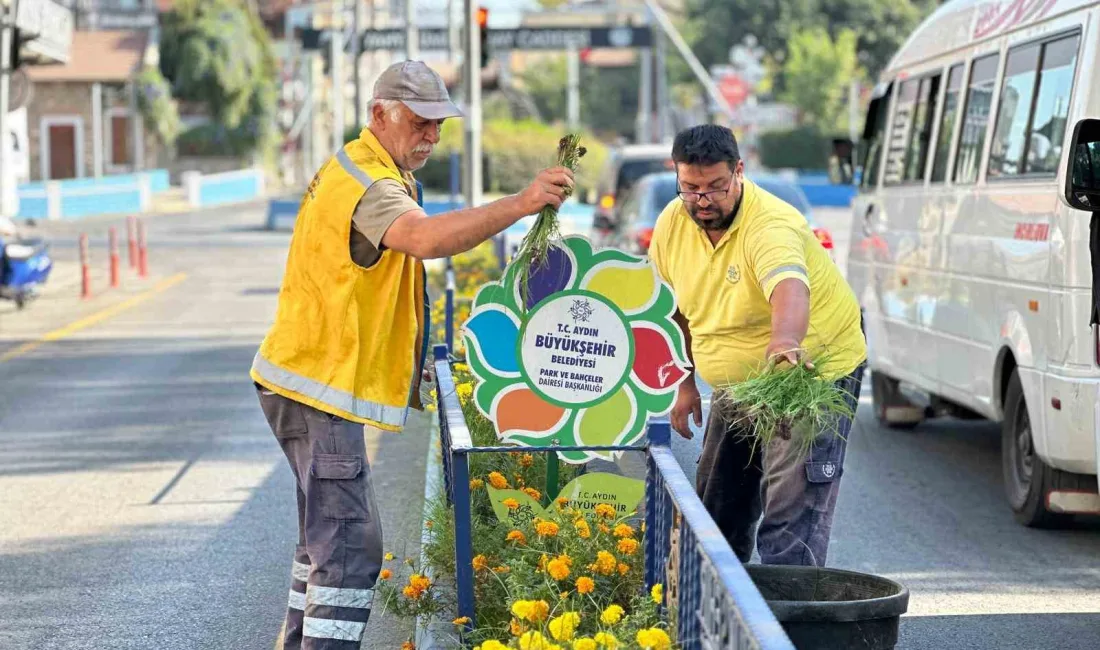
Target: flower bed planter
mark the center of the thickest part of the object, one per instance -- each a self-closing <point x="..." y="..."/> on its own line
<point x="559" y="576"/>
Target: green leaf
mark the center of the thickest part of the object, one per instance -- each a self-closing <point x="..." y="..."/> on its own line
<point x="587" y="491"/>
<point x="528" y="507"/>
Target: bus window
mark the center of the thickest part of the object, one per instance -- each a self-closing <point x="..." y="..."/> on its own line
<point x="1048" y="125"/>
<point x="874" y="132"/>
<point x="916" y="156"/>
<point x="947" y="123"/>
<point x="898" y="146"/>
<point x="979" y="98"/>
<point x="1006" y="156"/>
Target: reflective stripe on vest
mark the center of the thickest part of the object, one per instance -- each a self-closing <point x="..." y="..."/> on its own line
<point x="392" y="415"/>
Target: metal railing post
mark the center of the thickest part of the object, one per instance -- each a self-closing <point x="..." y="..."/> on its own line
<point x="464" y="544"/>
<point x="450" y="306"/>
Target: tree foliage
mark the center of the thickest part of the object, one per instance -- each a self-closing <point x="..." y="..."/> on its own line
<point x="609" y="96"/>
<point x="216" y="53"/>
<point x="881" y="26"/>
<point x="818" y="70"/>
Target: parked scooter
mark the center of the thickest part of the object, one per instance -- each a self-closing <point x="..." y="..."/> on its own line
<point x="25" y="265"/>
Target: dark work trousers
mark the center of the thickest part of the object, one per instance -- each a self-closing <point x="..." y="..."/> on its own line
<point x="796" y="493"/>
<point x="339" y="553"/>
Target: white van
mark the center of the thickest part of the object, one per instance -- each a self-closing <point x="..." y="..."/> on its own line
<point x="969" y="257"/>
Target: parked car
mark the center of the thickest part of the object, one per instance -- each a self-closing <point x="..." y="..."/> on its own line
<point x="625" y="167"/>
<point x="653" y="192"/>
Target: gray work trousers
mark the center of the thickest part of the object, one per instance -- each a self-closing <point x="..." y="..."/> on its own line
<point x="339" y="552"/>
<point x="797" y="494"/>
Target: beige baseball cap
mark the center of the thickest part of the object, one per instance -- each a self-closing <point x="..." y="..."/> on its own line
<point x="419" y="87"/>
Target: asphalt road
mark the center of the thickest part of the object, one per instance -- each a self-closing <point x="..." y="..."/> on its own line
<point x="926" y="508"/>
<point x="145" y="502"/>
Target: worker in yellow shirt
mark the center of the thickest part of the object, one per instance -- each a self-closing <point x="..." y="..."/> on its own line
<point x="754" y="286"/>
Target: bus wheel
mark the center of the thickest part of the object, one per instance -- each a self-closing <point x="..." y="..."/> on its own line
<point x="1027" y="478"/>
<point x="892" y="410"/>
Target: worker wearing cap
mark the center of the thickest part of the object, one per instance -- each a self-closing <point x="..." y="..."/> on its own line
<point x="349" y="341"/>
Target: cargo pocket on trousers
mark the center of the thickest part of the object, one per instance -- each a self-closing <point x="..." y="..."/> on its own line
<point x="342" y="483"/>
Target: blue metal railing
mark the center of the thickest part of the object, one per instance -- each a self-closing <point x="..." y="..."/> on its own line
<point x="714" y="601"/>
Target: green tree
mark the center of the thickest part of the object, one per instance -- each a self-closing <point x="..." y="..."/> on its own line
<point x="609" y="96"/>
<point x="216" y="53"/>
<point x="818" y="70"/>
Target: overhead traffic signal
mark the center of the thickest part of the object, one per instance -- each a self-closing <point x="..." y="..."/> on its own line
<point x="483" y="29"/>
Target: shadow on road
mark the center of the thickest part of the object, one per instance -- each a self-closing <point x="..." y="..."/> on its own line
<point x="1000" y="631"/>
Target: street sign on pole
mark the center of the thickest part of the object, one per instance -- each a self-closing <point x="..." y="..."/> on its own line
<point x="500" y="40"/>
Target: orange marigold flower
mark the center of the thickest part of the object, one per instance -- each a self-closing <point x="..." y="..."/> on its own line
<point x="511" y="504"/>
<point x="517" y="628"/>
<point x="604" y="529"/>
<point x="605" y="510"/>
<point x="386" y="574"/>
<point x="408" y="645"/>
<point x="533" y="493"/>
<point x="461" y="620"/>
<point x="546" y="529"/>
<point x="628" y="546"/>
<point x="623" y="530"/>
<point x="624" y="569"/>
<point x="476" y="484"/>
<point x="517" y="537"/>
<point x="561" y="502"/>
<point x="481" y="563"/>
<point x="604" y="564"/>
<point x="585" y="585"/>
<point x="582" y="528"/>
<point x="527" y="460"/>
<point x="497" y="480"/>
<point x="558" y="569"/>
<point x="501" y="569"/>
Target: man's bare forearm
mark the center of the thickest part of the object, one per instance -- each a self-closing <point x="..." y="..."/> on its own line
<point x="790" y="315"/>
<point x="458" y="231"/>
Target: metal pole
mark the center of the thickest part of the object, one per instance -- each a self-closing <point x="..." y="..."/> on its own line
<point x="573" y="59"/>
<point x="412" y="43"/>
<point x="5" y="88"/>
<point x="663" y="126"/>
<point x="453" y="45"/>
<point x="449" y="319"/>
<point x="472" y="121"/>
<point x="337" y="51"/>
<point x="464" y="547"/>
<point x="645" y="97"/>
<point x="357" y="49"/>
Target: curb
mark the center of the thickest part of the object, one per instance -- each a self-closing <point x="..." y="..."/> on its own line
<point x="435" y="631"/>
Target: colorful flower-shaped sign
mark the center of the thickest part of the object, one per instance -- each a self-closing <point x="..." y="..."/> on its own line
<point x="593" y="356"/>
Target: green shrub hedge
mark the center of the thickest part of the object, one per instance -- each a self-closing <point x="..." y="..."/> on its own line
<point x="804" y="147"/>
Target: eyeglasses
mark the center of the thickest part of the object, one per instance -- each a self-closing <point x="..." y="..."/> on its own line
<point x="694" y="197"/>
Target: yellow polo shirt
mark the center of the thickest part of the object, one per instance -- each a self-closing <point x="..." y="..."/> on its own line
<point x="724" y="290"/>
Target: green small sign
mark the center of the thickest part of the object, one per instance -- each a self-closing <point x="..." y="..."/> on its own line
<point x="583" y="494"/>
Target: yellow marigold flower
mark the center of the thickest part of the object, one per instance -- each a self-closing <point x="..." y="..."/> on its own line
<point x="604" y="564"/>
<point x="607" y="640"/>
<point x="389" y="557"/>
<point x="516" y="627"/>
<point x="564" y="627"/>
<point x="492" y="645"/>
<point x="585" y="585"/>
<point x="461" y="367"/>
<point x="497" y="480"/>
<point x="546" y="529"/>
<point x="657" y="593"/>
<point x="461" y="620"/>
<point x="623" y="530"/>
<point x="558" y="569"/>
<point x="605" y="510"/>
<point x="612" y="615"/>
<point x="584" y="643"/>
<point x="386" y="574"/>
<point x="464" y="391"/>
<point x="517" y="537"/>
<point x="562" y="502"/>
<point x="477" y="484"/>
<point x="654" y="639"/>
<point x="527" y="460"/>
<point x="628" y="546"/>
<point x="481" y="563"/>
<point x="534" y="611"/>
<point x="419" y="581"/>
<point x="624" y="569"/>
<point x="511" y="504"/>
<point x="501" y="569"/>
<point x="410" y="593"/>
<point x="534" y="641"/>
<point x="582" y="528"/>
<point x="533" y="493"/>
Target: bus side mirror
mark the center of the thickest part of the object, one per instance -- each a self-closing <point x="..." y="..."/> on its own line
<point x="842" y="162"/>
<point x="1082" y="189"/>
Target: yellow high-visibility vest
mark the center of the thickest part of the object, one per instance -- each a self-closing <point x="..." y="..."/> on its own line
<point x="347" y="340"/>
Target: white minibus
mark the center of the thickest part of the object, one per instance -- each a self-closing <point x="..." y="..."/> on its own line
<point x="975" y="237"/>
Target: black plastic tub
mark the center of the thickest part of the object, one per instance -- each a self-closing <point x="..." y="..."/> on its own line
<point x="827" y="609"/>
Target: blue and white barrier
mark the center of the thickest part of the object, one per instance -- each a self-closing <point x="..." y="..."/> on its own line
<point x="82" y="197"/>
<point x="204" y="190"/>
